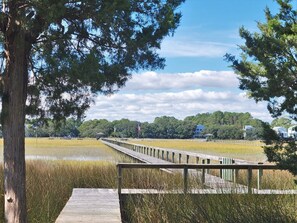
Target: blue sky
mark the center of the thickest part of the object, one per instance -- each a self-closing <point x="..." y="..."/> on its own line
<point x="211" y="27"/>
<point x="196" y="79"/>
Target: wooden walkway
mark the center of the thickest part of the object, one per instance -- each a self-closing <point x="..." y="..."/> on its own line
<point x="210" y="180"/>
<point x="91" y="205"/>
<point x="136" y="155"/>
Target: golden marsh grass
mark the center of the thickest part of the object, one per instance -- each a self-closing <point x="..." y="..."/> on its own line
<point x="50" y="183"/>
<point x="247" y="150"/>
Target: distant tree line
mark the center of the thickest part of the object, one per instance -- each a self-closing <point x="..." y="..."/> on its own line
<point x="222" y="125"/>
<point x="229" y="125"/>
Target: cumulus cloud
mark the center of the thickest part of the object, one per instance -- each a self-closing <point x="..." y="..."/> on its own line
<point x="149" y="94"/>
<point x="179" y="81"/>
<point x="147" y="106"/>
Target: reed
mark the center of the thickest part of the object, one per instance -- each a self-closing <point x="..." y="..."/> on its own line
<point x="49" y="185"/>
<point x="209" y="208"/>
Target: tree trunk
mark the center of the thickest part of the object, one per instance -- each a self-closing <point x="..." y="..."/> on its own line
<point x="13" y="120"/>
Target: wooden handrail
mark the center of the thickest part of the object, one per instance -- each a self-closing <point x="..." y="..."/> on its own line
<point x="186" y="167"/>
<point x="198" y="166"/>
<point x="187" y="154"/>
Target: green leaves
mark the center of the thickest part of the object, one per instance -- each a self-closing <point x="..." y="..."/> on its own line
<point x="267" y="70"/>
<point x="268" y="64"/>
<point x="81" y="48"/>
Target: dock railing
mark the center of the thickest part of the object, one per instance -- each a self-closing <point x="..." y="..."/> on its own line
<point x="202" y="167"/>
<point x="172" y="155"/>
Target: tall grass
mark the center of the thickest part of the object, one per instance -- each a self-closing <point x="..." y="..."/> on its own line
<point x="49" y="185"/>
<point x="209" y="208"/>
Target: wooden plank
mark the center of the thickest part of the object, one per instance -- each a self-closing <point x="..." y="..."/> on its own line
<point x="199" y="166"/>
<point x="136" y="155"/>
<point x="209" y="191"/>
<point x="91" y="205"/>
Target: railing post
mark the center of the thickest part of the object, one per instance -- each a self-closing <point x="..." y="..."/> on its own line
<point x="249" y="179"/>
<point x="167" y="155"/>
<point x="154" y="152"/>
<point x="221" y="170"/>
<point x="236" y="175"/>
<point x="173" y="157"/>
<point x="197" y="159"/>
<point x="188" y="157"/>
<point x="260" y="174"/>
<point x="162" y="154"/>
<point x="185" y="179"/>
<point x="119" y="179"/>
<point x="179" y="158"/>
<point x="203" y="176"/>
<point x="158" y="153"/>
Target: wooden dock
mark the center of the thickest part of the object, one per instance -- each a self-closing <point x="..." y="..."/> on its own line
<point x="210" y="180"/>
<point x="136" y="155"/>
<point x="91" y="205"/>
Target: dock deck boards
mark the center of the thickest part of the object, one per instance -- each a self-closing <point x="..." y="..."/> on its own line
<point x="136" y="155"/>
<point x="91" y="205"/>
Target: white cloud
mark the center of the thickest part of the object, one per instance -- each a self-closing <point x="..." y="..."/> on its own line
<point x="181" y="81"/>
<point x="187" y="47"/>
<point x="147" y="106"/>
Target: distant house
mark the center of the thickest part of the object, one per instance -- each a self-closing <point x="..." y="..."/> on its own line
<point x="247" y="128"/>
<point x="281" y="131"/>
<point x="292" y="132"/>
<point x="198" y="133"/>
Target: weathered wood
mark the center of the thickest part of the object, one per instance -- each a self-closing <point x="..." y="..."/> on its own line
<point x="144" y="158"/>
<point x="185" y="180"/>
<point x="190" y="154"/>
<point x="207" y="179"/>
<point x="199" y="166"/>
<point x="209" y="191"/>
<point x="91" y="205"/>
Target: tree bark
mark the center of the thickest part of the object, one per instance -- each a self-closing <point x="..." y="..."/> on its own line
<point x="13" y="121"/>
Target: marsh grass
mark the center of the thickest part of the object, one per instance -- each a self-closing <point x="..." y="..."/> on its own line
<point x="209" y="208"/>
<point x="50" y="184"/>
<point x="247" y="150"/>
<point x="61" y="149"/>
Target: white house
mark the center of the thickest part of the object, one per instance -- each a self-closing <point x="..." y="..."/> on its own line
<point x="281" y="131"/>
<point x="247" y="128"/>
<point x="292" y="131"/>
